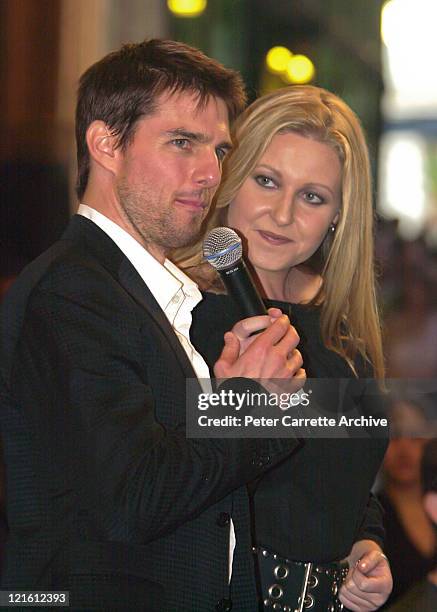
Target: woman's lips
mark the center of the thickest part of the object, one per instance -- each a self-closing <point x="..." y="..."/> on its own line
<point x="275" y="239"/>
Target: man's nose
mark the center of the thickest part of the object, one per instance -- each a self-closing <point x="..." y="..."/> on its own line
<point x="207" y="171"/>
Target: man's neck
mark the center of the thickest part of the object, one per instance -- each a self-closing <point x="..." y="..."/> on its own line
<point x="115" y="214"/>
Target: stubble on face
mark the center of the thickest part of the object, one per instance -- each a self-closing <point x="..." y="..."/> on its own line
<point x="167" y="176"/>
<point x="155" y="224"/>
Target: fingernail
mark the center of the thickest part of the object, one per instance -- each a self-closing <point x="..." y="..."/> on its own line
<point x="277" y="314"/>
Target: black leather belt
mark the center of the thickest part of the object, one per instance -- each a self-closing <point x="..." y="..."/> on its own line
<point x="293" y="586"/>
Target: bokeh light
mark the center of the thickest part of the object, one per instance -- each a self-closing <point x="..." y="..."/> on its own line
<point x="187" y="8"/>
<point x="402" y="193"/>
<point x="388" y="22"/>
<point x="300" y="69"/>
<point x="408" y="33"/>
<point x="277" y="59"/>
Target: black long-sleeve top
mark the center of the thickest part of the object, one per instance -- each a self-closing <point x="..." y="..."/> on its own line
<point x="317" y="503"/>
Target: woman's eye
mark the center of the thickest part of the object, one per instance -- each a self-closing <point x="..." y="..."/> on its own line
<point x="265" y="181"/>
<point x="221" y="154"/>
<point x="313" y="198"/>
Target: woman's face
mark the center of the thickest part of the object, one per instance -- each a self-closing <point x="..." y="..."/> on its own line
<point x="402" y="461"/>
<point x="286" y="205"/>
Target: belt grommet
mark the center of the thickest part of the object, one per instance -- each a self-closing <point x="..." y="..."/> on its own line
<point x="308" y="602"/>
<point x="281" y="572"/>
<point x="313" y="581"/>
<point x="275" y="591"/>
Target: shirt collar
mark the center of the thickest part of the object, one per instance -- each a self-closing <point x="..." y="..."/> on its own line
<point x="163" y="280"/>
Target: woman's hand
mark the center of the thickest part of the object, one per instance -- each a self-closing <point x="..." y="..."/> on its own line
<point x="270" y="356"/>
<point x="369" y="581"/>
<point x="245" y="329"/>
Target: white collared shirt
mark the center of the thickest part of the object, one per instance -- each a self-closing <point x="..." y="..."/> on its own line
<point x="176" y="294"/>
<point x="174" y="291"/>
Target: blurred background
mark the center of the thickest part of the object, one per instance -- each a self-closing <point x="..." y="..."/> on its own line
<point x="378" y="55"/>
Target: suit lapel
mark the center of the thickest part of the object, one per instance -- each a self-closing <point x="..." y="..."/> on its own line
<point x="104" y="249"/>
<point x="136" y="287"/>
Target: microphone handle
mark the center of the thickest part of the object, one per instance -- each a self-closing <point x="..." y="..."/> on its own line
<point x="240" y="286"/>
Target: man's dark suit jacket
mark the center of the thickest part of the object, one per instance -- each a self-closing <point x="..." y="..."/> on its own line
<point x="106" y="496"/>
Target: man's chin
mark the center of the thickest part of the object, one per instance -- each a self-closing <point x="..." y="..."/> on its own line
<point x="180" y="239"/>
<point x="185" y="241"/>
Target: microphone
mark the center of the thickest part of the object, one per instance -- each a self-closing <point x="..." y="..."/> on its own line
<point x="223" y="249"/>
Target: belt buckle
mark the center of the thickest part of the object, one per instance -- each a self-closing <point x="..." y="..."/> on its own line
<point x="306" y="601"/>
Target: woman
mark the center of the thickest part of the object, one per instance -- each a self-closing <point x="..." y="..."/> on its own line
<point x="297" y="188"/>
<point x="410" y="540"/>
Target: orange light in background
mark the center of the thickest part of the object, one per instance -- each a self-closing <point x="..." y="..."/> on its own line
<point x="277" y="59"/>
<point x="186" y="8"/>
<point x="300" y="69"/>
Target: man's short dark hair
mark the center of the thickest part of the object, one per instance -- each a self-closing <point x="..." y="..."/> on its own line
<point x="429" y="467"/>
<point x="124" y="85"/>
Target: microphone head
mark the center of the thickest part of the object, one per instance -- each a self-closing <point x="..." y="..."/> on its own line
<point x="222" y="247"/>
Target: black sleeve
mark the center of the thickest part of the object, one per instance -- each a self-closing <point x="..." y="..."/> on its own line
<point x="373" y="404"/>
<point x="372" y="527"/>
<point x="212" y="317"/>
<point x="91" y="411"/>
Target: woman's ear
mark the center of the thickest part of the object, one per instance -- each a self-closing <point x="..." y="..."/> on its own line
<point x="102" y="145"/>
<point x="336" y="219"/>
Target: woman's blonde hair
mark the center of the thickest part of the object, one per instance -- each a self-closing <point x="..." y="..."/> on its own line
<point x="349" y="317"/>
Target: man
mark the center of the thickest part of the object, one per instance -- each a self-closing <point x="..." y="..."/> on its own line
<point x="107" y="498"/>
<point x="423" y="596"/>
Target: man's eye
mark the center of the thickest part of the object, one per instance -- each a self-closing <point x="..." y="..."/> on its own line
<point x="181" y="143"/>
<point x="265" y="181"/>
<point x="313" y="198"/>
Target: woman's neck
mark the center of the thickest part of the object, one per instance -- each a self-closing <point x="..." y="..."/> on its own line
<point x="298" y="286"/>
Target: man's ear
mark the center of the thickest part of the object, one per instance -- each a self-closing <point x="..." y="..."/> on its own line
<point x="430" y="503"/>
<point x="102" y="145"/>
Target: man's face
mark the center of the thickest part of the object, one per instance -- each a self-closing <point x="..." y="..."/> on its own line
<point x="170" y="171"/>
